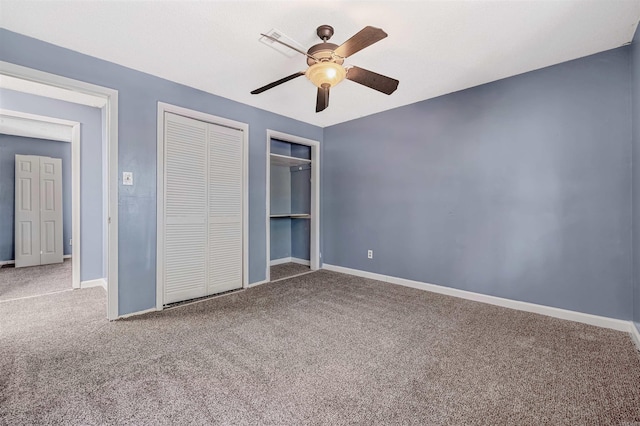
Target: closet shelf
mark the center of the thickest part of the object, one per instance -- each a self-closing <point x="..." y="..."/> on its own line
<point x="285" y="160"/>
<point x="292" y="215"/>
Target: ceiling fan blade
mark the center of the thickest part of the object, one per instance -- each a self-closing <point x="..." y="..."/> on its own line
<point x="364" y="38"/>
<point x="322" y="101"/>
<point x="373" y="80"/>
<point x="277" y="83"/>
<point x="290" y="47"/>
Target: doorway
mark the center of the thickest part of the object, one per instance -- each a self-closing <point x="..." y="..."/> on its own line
<point x="27" y="80"/>
<point x="293" y="205"/>
<point x="47" y="132"/>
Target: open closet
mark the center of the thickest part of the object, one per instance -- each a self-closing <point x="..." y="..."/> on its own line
<point x="290" y="208"/>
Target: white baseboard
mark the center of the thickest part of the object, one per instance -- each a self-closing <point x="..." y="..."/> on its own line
<point x="565" y="314"/>
<point x="12" y="262"/>
<point x="133" y="314"/>
<point x="257" y="283"/>
<point x="289" y="260"/>
<point x="100" y="282"/>
<point x="635" y="335"/>
<point x="275" y="262"/>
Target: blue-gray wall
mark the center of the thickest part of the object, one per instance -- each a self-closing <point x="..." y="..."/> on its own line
<point x="300" y="239"/>
<point x="280" y="203"/>
<point x="138" y="94"/>
<point x="10" y="146"/>
<point x="280" y="235"/>
<point x="301" y="203"/>
<point x="519" y="188"/>
<point x="635" y="76"/>
<point x="91" y="179"/>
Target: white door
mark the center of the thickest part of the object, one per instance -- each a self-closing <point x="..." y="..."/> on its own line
<point x="185" y="220"/>
<point x="225" y="209"/>
<point x="203" y="209"/>
<point x="38" y="211"/>
<point x="51" y="247"/>
<point x="27" y="211"/>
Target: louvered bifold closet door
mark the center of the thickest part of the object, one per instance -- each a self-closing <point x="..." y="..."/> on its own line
<point x="185" y="220"/>
<point x="225" y="209"/>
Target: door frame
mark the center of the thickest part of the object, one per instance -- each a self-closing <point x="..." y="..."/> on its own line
<point x="314" y="246"/>
<point x="160" y="190"/>
<point x="80" y="92"/>
<point x="42" y="127"/>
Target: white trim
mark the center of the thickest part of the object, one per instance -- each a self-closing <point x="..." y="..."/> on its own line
<point x="159" y="206"/>
<point x="76" y="239"/>
<point x="289" y="260"/>
<point x="13" y="261"/>
<point x="46" y="90"/>
<point x="111" y="112"/>
<point x="43" y="127"/>
<point x="257" y="283"/>
<point x="100" y="282"/>
<point x="314" y="247"/>
<point x="565" y="314"/>
<point x="134" y="314"/>
<point x="635" y="335"/>
<point x="267" y="207"/>
<point x="111" y="115"/>
<point x="202" y="116"/>
<point x="280" y="261"/>
<point x="35" y="126"/>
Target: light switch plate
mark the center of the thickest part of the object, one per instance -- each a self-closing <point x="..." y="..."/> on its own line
<point x="127" y="178"/>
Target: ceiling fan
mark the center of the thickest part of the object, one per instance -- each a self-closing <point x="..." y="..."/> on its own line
<point x="325" y="64"/>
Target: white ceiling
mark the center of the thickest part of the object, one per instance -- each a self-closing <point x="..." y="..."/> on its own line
<point x="433" y="48"/>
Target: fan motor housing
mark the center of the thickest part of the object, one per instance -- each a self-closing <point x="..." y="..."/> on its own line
<point x="323" y="52"/>
<point x="325" y="32"/>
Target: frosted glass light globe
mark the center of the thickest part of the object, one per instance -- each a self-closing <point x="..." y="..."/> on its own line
<point x="326" y="73"/>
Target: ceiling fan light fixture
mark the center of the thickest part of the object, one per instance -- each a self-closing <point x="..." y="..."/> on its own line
<point x="326" y="73"/>
<point x="324" y="61"/>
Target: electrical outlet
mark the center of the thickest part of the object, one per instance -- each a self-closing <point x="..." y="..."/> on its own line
<point x="370" y="254"/>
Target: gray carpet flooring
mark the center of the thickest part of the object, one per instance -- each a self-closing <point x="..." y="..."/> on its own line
<point x="323" y="348"/>
<point x="34" y="280"/>
<point x="287" y="270"/>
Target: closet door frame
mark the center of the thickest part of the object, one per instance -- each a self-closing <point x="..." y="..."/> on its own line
<point x="314" y="246"/>
<point x="160" y="189"/>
